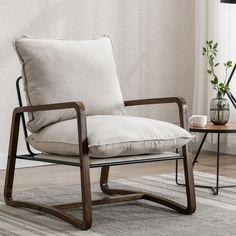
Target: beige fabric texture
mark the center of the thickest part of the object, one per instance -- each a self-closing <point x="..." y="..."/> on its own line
<point x="57" y="71"/>
<point x="111" y="135"/>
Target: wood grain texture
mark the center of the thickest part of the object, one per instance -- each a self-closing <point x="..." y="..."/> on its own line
<point x="211" y="128"/>
<point x="123" y="194"/>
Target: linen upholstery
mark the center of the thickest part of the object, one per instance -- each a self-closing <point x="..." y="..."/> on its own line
<point x="57" y="71"/>
<point x="110" y="136"/>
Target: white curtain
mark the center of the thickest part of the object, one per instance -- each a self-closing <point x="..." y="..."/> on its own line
<point x="215" y="21"/>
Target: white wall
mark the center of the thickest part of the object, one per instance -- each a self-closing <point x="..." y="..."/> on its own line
<point x="153" y="45"/>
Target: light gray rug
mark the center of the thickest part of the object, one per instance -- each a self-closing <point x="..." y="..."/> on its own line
<point x="215" y="215"/>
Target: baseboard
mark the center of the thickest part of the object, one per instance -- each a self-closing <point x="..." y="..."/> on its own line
<point x="20" y="163"/>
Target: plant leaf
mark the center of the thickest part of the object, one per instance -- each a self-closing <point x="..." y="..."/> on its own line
<point x="215" y="46"/>
<point x="229" y="63"/>
<point x="214" y="81"/>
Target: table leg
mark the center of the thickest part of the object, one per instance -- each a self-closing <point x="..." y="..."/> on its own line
<point x="194" y="160"/>
<point x="216" y="190"/>
<point x="199" y="149"/>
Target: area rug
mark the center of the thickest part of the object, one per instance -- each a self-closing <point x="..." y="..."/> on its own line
<point x="215" y="215"/>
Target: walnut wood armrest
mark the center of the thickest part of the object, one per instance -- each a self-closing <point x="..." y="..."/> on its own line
<point x="81" y="121"/>
<point x="181" y="102"/>
<point x="86" y="221"/>
<point x="78" y="106"/>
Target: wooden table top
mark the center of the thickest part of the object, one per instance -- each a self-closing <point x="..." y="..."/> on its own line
<point x="211" y="128"/>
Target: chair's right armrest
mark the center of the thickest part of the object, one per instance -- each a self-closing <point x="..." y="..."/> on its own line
<point x="78" y="106"/>
<point x="181" y="102"/>
<point x="81" y="120"/>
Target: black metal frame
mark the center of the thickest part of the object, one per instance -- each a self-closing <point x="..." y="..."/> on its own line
<point x="229" y="94"/>
<point x="25" y="131"/>
<point x="33" y="156"/>
<point x="228" y="1"/>
<point x="215" y="189"/>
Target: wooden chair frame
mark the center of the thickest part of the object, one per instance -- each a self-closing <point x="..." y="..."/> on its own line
<point x="119" y="195"/>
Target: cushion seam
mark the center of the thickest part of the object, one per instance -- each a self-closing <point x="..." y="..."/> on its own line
<point x="92" y="145"/>
<point x="24" y="76"/>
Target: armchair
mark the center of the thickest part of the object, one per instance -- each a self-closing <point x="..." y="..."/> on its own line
<point x="83" y="157"/>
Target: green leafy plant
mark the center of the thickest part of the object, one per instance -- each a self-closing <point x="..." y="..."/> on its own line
<point x="210" y="51"/>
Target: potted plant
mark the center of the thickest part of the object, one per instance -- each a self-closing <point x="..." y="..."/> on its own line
<point x="219" y="106"/>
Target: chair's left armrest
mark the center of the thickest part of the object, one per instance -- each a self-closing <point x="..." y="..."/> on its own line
<point x="181" y="102"/>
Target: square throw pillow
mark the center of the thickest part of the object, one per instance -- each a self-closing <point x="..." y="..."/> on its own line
<point x="111" y="136"/>
<point x="56" y="71"/>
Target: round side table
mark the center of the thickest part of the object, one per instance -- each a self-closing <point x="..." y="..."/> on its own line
<point x="217" y="129"/>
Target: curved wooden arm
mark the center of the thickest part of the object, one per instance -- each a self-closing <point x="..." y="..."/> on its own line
<point x="181" y="102"/>
<point x="78" y="106"/>
<point x="86" y="221"/>
<point x="81" y="123"/>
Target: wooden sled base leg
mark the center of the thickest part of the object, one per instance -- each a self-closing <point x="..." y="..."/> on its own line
<point x="52" y="211"/>
<point x="190" y="193"/>
<point x="86" y="221"/>
<point x="83" y="224"/>
<point x="86" y="204"/>
<point x="119" y="195"/>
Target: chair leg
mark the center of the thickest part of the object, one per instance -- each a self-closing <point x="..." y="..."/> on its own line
<point x="189" y="181"/>
<point x="86" y="193"/>
<point x="86" y="204"/>
<point x="104" y="179"/>
<point x="10" y="172"/>
<point x="86" y="201"/>
<point x="190" y="189"/>
<point x="105" y="187"/>
<point x="11" y="161"/>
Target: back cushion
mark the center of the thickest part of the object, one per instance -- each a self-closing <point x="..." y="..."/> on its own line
<point x="57" y="71"/>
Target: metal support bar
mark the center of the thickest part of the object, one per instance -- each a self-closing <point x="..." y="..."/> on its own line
<point x="215" y="189"/>
<point x="229" y="94"/>
<point x="100" y="164"/>
<point x="23" y="116"/>
<point x="217" y="165"/>
<point x="200" y="148"/>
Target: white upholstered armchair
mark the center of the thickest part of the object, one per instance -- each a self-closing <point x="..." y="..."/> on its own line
<point x="94" y="132"/>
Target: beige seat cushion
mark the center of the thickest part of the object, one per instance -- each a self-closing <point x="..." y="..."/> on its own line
<point x="110" y="135"/>
<point x="57" y="71"/>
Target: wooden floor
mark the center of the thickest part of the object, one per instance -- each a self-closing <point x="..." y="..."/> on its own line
<point x="54" y="175"/>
